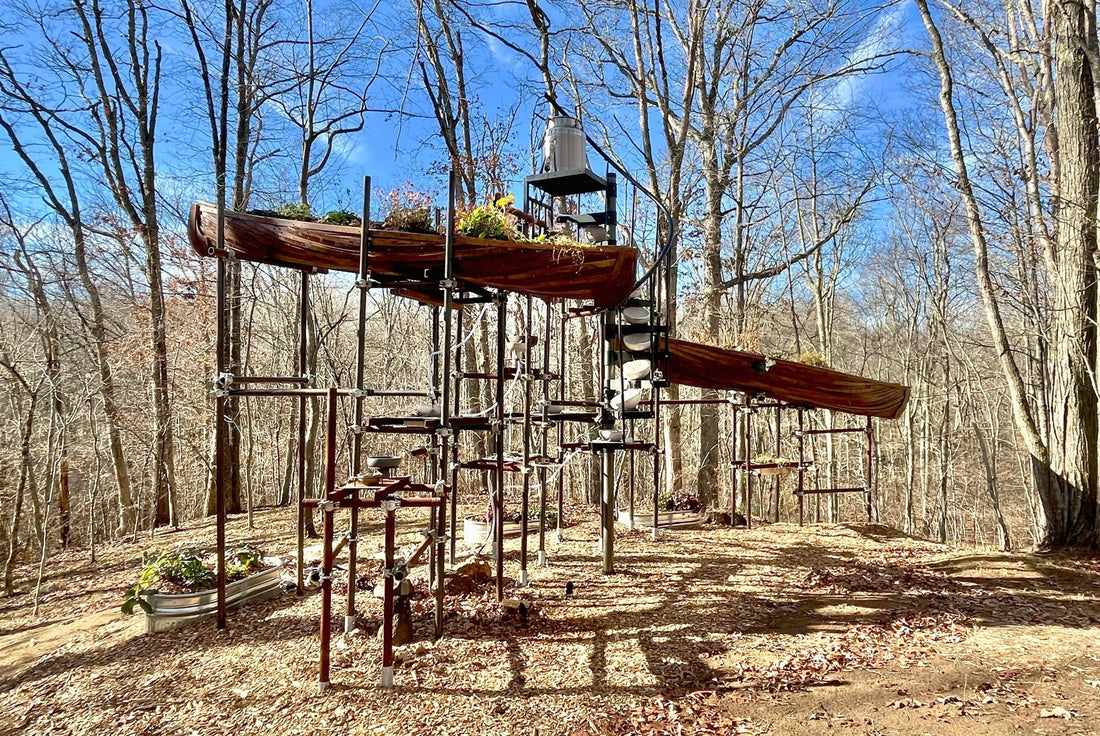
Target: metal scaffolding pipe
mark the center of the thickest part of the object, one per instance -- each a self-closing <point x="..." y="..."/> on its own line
<point x="363" y="283"/>
<point x="303" y="367"/>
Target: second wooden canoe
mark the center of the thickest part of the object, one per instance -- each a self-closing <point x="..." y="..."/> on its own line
<point x="706" y="366"/>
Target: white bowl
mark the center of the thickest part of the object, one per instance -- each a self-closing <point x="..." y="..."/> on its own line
<point x="636" y="315"/>
<point x="427" y="410"/>
<point x="611" y="435"/>
<point x="628" y="400"/>
<point x="637" y="342"/>
<point x="636" y="370"/>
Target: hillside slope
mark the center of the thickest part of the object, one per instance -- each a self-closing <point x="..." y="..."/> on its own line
<point x="828" y="629"/>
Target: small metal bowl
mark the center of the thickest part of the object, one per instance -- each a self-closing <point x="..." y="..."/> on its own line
<point x="384" y="461"/>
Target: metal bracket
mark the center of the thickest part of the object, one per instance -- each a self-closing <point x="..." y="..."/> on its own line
<point x="444" y="432"/>
<point x="390" y="503"/>
<point x="436" y="537"/>
<point x="325" y="576"/>
<point x="326" y="506"/>
<point x="359" y="393"/>
<point x="363" y="283"/>
<point x="355" y="428"/>
<point x="398" y="572"/>
<point x="221" y="384"/>
<point x="351" y="537"/>
<point x="448" y="283"/>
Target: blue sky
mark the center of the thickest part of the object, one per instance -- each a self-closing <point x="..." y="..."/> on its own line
<point x="392" y="151"/>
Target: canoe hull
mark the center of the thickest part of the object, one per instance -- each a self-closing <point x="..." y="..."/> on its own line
<point x="705" y="366"/>
<point x="603" y="275"/>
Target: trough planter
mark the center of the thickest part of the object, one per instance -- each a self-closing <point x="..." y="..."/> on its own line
<point x="174" y="611"/>
<point x="665" y="519"/>
<point x="475" y="530"/>
<point x="780" y="470"/>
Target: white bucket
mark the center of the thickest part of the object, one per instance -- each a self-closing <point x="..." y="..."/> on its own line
<point x="563" y="145"/>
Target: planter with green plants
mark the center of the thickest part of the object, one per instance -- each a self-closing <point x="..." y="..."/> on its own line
<point x="677" y="511"/>
<point x="176" y="588"/>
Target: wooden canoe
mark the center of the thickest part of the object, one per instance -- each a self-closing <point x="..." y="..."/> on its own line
<point x="603" y="275"/>
<point x="705" y="366"/>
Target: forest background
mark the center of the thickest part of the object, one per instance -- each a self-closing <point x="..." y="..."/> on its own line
<point x="904" y="190"/>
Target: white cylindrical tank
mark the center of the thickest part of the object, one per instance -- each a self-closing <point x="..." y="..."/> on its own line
<point x="563" y="145"/>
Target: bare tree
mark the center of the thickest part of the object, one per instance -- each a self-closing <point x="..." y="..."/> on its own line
<point x="1063" y="455"/>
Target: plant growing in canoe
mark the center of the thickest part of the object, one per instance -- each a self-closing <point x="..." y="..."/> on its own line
<point x="490" y="221"/>
<point x="294" y="211"/>
<point x="341" y="217"/>
<point x="813" y="358"/>
<point x="409" y="210"/>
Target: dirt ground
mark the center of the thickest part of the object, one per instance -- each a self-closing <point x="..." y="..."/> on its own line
<point x="849" y="629"/>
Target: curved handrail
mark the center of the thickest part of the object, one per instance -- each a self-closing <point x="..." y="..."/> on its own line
<point x="664" y="250"/>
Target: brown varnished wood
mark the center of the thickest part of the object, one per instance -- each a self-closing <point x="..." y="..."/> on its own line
<point x="601" y="274"/>
<point x="705" y="366"/>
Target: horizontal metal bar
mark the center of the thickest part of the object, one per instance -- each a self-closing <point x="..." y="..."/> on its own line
<point x="396" y="392"/>
<point x="301" y="380"/>
<point x="697" y="402"/>
<point x="818" y="491"/>
<point x="280" y="392"/>
<point x="842" y="430"/>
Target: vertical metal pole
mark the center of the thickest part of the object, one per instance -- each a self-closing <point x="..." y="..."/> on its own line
<point x="801" y="468"/>
<point x="363" y="283"/>
<point x="739" y="460"/>
<point x="544" y="446"/>
<point x="303" y="368"/>
<point x="607" y="497"/>
<point x="778" y="450"/>
<point x="498" y="433"/>
<point x="436" y="457"/>
<point x="867" y="469"/>
<point x="446" y="434"/>
<point x="525" y="500"/>
<point x="562" y="367"/>
<point x="610" y="207"/>
<point x="607" y="511"/>
<point x="747" y="449"/>
<point x="329" y="512"/>
<point x="387" y="602"/>
<point x="630" y="481"/>
<point x="219" y="437"/>
<point x="656" y="449"/>
<point x="453" y="491"/>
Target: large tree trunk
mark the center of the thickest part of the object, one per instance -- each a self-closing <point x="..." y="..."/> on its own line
<point x="1071" y="495"/>
<point x="1064" y="460"/>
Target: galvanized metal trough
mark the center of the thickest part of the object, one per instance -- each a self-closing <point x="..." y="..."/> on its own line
<point x="174" y="611"/>
<point x="665" y="519"/>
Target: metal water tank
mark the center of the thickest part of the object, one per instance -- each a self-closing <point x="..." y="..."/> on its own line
<point x="563" y="145"/>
